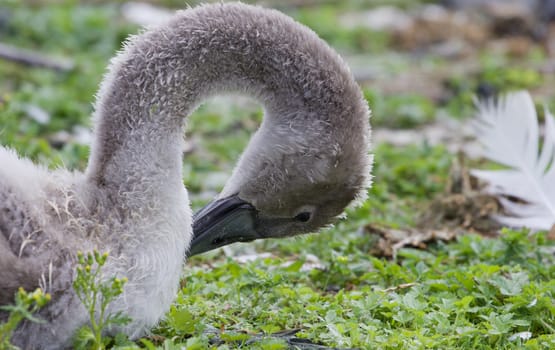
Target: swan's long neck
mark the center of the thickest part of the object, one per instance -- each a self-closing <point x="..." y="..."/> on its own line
<point x="163" y="74"/>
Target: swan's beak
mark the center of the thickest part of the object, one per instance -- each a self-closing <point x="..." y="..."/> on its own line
<point x="222" y="222"/>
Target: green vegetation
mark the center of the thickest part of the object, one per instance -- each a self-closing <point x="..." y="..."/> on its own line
<point x="25" y="305"/>
<point x="473" y="293"/>
<point x="96" y="292"/>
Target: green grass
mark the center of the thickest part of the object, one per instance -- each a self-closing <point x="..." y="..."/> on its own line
<point x="474" y="293"/>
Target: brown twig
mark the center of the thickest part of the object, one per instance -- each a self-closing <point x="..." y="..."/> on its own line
<point x="34" y="59"/>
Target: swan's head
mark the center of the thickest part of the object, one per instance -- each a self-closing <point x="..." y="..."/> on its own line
<point x="310" y="157"/>
<point x="295" y="177"/>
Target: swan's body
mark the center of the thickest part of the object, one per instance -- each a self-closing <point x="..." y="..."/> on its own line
<point x="309" y="156"/>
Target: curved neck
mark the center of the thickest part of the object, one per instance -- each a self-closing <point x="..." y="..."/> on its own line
<point x="163" y="74"/>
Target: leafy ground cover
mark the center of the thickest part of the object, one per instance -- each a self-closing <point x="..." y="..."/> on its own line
<point x="326" y="288"/>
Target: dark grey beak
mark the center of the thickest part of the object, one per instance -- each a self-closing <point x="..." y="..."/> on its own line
<point x="222" y="222"/>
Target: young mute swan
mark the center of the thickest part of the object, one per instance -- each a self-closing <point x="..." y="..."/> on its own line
<point x="306" y="163"/>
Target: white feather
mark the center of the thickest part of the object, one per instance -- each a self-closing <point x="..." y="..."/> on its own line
<point x="508" y="129"/>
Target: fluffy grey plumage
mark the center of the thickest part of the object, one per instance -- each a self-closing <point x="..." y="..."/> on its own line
<point x="310" y="152"/>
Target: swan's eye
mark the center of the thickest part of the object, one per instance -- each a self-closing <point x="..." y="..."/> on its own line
<point x="303" y="217"/>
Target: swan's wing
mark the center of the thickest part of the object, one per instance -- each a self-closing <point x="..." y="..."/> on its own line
<point x="14" y="273"/>
<point x="18" y="266"/>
